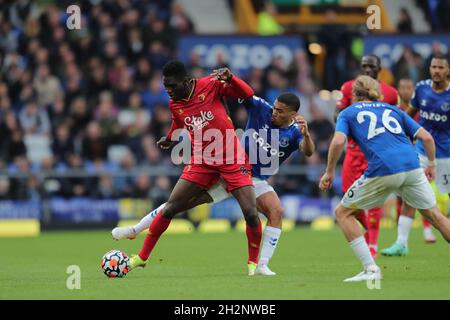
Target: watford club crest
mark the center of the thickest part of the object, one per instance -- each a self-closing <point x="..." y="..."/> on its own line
<point x="201" y="97"/>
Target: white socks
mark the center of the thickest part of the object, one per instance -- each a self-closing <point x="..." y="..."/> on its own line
<point x="270" y="241"/>
<point x="147" y="220"/>
<point x="361" y="250"/>
<point x="403" y="228"/>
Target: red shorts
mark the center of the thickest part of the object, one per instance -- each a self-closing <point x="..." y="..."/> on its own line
<point x="234" y="175"/>
<point x="353" y="168"/>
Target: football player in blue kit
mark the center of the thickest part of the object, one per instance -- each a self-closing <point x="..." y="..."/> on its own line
<point x="271" y="135"/>
<point x="432" y="100"/>
<point x="383" y="133"/>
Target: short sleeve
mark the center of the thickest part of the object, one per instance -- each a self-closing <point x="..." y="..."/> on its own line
<point x="410" y="126"/>
<point x="255" y="103"/>
<point x="342" y="124"/>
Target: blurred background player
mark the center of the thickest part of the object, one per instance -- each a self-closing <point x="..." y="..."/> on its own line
<point x="264" y="122"/>
<point x="196" y="104"/>
<point x="354" y="161"/>
<point x="405" y="94"/>
<point x="383" y="132"/>
<point x="432" y="99"/>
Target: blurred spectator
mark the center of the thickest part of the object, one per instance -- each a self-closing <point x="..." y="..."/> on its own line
<point x="179" y="21"/>
<point x="404" y="24"/>
<point x="267" y="24"/>
<point x="409" y="65"/>
<point x="405" y="93"/>
<point x="335" y="39"/>
<point x="47" y="86"/>
<point x="94" y="145"/>
<point x="155" y="93"/>
<point x="34" y="119"/>
<point x="161" y="191"/>
<point x="322" y="131"/>
<point x="5" y="188"/>
<point x="106" y="116"/>
<point x="437" y="14"/>
<point x="62" y="145"/>
<point x="141" y="187"/>
<point x="105" y="188"/>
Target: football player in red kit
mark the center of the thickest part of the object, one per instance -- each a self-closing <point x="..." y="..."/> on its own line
<point x="354" y="161"/>
<point x="196" y="105"/>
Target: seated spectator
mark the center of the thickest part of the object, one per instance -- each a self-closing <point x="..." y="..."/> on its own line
<point x="94" y="145"/>
<point x="155" y="93"/>
<point x="62" y="145"/>
<point x="34" y="120"/>
<point x="404" y="24"/>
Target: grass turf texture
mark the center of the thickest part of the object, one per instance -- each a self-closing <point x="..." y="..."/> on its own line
<point x="310" y="265"/>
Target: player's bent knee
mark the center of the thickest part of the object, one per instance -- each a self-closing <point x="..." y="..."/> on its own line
<point x="275" y="217"/>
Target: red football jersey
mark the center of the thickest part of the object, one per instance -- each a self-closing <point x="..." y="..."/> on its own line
<point x="210" y="128"/>
<point x="388" y="94"/>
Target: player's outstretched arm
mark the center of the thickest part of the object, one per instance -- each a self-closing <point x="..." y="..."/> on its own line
<point x="233" y="86"/>
<point x="334" y="153"/>
<point x="430" y="149"/>
<point x="307" y="145"/>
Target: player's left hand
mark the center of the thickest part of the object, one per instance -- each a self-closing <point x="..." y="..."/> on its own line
<point x="302" y="125"/>
<point x="222" y="74"/>
<point x="326" y="181"/>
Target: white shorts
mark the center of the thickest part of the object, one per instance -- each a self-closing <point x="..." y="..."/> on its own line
<point x="218" y="192"/>
<point x="442" y="173"/>
<point x="412" y="186"/>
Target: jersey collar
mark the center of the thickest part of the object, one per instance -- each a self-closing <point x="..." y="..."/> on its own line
<point x="193" y="85"/>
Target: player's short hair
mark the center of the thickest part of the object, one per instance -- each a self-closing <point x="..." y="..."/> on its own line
<point x="377" y="58"/>
<point x="366" y="87"/>
<point x="175" y="69"/>
<point x="440" y="56"/>
<point x="290" y="100"/>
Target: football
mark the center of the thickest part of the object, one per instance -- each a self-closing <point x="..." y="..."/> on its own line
<point x="115" y="264"/>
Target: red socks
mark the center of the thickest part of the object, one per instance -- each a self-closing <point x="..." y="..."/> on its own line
<point x="426" y="223"/>
<point x="158" y="226"/>
<point x="373" y="220"/>
<point x="254" y="240"/>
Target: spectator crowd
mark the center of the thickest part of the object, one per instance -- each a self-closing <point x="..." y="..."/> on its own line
<point x="92" y="99"/>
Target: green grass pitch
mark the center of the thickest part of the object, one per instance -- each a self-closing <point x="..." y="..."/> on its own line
<point x="310" y="265"/>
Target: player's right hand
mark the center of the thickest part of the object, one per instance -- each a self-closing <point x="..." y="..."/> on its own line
<point x="326" y="181"/>
<point x="430" y="173"/>
<point x="164" y="143"/>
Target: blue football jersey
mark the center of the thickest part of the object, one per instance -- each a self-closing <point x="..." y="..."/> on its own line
<point x="382" y="132"/>
<point x="434" y="116"/>
<point x="267" y="146"/>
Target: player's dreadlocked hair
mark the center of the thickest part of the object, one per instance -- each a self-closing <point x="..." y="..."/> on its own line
<point x="365" y="87"/>
<point x="175" y="69"/>
<point x="290" y="100"/>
